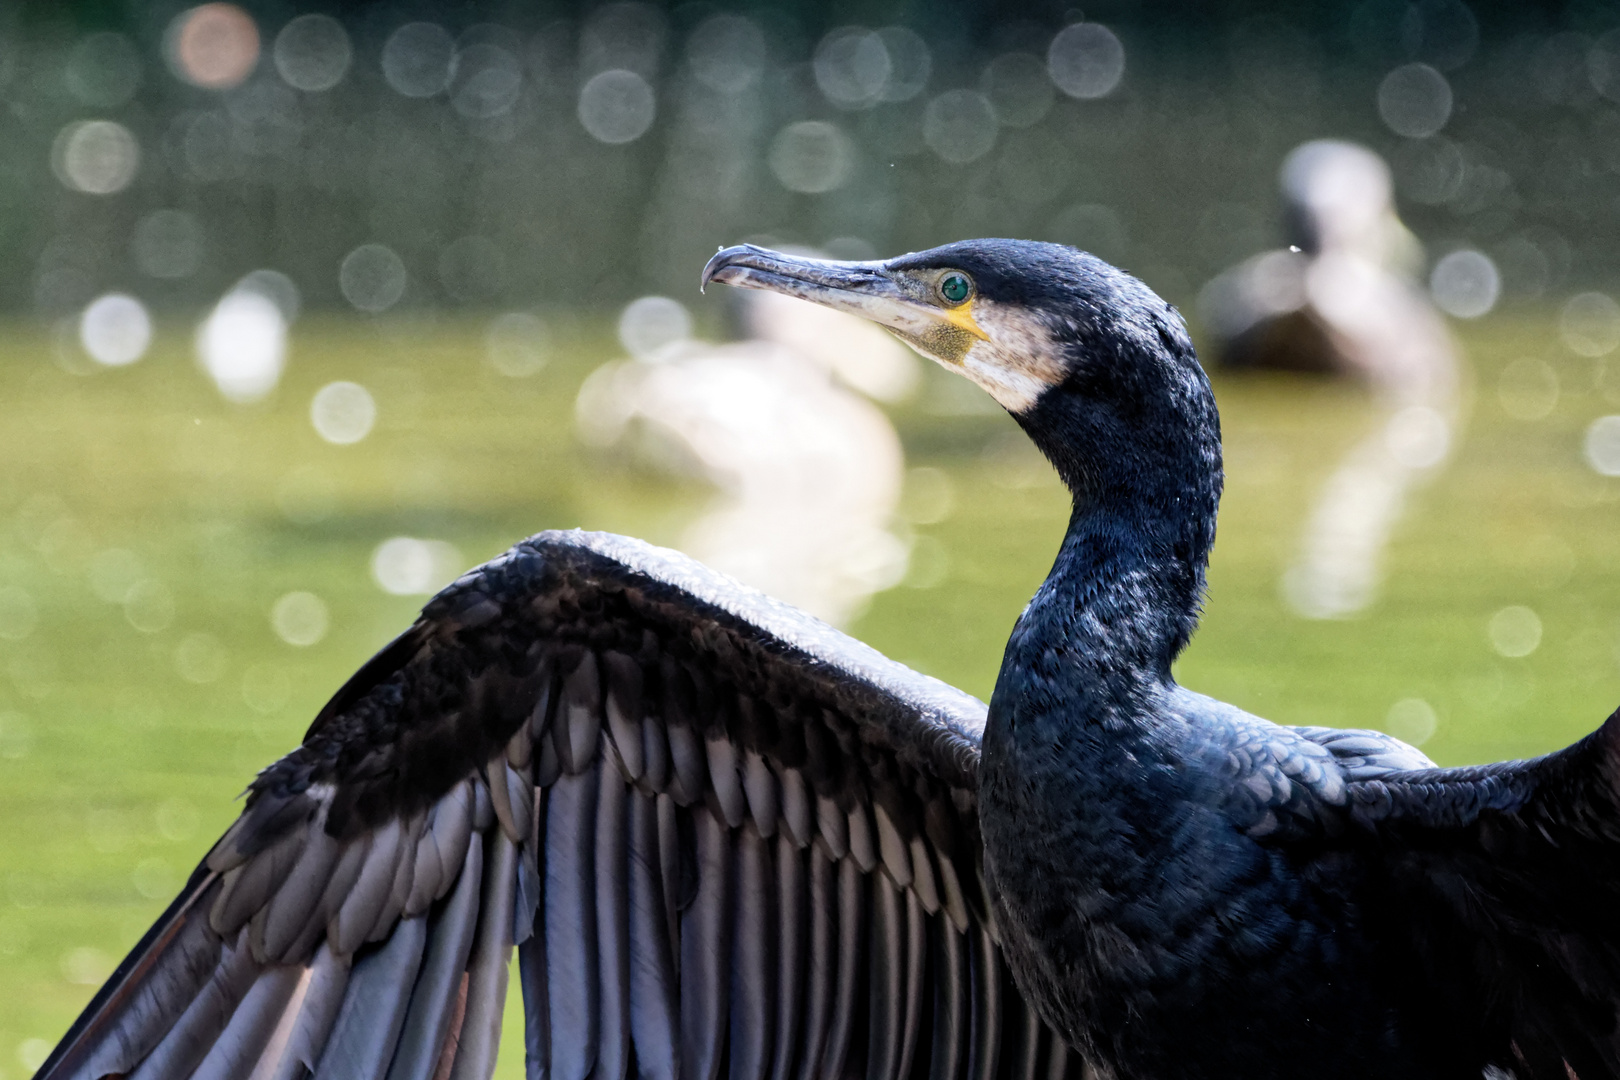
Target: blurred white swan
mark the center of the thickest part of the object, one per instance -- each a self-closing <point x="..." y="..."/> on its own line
<point x="1343" y="299"/>
<point x="809" y="470"/>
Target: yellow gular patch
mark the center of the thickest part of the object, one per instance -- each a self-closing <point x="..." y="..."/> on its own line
<point x="962" y="318"/>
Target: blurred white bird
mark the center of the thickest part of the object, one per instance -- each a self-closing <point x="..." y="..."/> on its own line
<point x="1343" y="298"/>
<point x="809" y="471"/>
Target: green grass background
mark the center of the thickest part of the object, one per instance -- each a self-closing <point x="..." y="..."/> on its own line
<point x="116" y="772"/>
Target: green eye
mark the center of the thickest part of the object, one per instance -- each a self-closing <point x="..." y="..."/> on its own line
<point x="955" y="287"/>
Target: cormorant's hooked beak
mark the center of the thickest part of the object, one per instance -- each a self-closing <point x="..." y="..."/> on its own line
<point x="897" y="302"/>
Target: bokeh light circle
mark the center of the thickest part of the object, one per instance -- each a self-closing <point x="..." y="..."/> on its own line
<point x="1086" y="60"/>
<point x="97" y="157"/>
<point x="31" y="1053"/>
<point x="276" y="287"/>
<point x="113" y="573"/>
<point x="910" y="63"/>
<point x="517" y="344"/>
<point x="726" y="53"/>
<point x="300" y="618"/>
<point x="1603" y="65"/>
<point x="215" y="46"/>
<point x="1602" y="445"/>
<point x="811" y="156"/>
<point x="417" y="59"/>
<point x="200" y="659"/>
<point x="1019" y="89"/>
<point x="312" y="53"/>
<point x="408" y="566"/>
<point x="651" y="325"/>
<point x="1590" y="324"/>
<point x="1465" y="284"/>
<point x="372" y="277"/>
<point x="1515" y="631"/>
<point x="852" y="66"/>
<point x="617" y="106"/>
<point x="115" y="330"/>
<point x="149" y="606"/>
<point x="343" y="412"/>
<point x="1412" y="720"/>
<point x="960" y="126"/>
<point x="242" y="345"/>
<point x="1414" y="100"/>
<point x="487" y="82"/>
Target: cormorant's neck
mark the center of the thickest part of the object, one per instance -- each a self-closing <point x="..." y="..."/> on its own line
<point x="1124" y="594"/>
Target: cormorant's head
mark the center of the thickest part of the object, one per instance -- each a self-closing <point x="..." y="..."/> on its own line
<point x="1017" y="317"/>
<point x="1091" y="362"/>
<point x="1094" y="366"/>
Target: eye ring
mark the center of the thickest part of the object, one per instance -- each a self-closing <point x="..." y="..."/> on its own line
<point x="955" y="287"/>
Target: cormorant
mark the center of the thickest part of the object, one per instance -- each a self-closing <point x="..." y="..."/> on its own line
<point x="808" y="471"/>
<point x="728" y="840"/>
<point x="1343" y="300"/>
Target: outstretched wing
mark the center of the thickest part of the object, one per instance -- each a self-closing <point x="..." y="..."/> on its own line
<point x="724" y="838"/>
<point x="1504" y="883"/>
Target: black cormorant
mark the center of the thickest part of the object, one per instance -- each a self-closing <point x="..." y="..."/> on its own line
<point x="727" y="840"/>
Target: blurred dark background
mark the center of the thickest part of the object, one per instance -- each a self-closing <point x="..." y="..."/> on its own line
<point x="557" y="154"/>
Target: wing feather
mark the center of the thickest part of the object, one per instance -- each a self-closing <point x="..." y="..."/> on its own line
<point x="362" y="1041"/>
<point x="160" y="978"/>
<point x="251" y="1027"/>
<point x="851" y="922"/>
<point x="886" y="986"/>
<point x="191" y="1037"/>
<point x="612" y="919"/>
<point x="624" y="712"/>
<point x="1499" y="885"/>
<point x="570" y="906"/>
<point x="948" y="1054"/>
<point x="480" y="1028"/>
<point x="705" y="953"/>
<point x="536" y="1007"/>
<point x="1023" y="1035"/>
<point x="916" y="932"/>
<point x="328" y="984"/>
<point x="984" y="980"/>
<point x="792" y="930"/>
<point x="752" y="989"/>
<point x="296" y="905"/>
<point x="822" y="966"/>
<point x="653" y="984"/>
<point x="722" y="837"/>
<point x="427" y="1021"/>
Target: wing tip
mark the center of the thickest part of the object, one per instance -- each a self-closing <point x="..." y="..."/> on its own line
<point x="75" y="1042"/>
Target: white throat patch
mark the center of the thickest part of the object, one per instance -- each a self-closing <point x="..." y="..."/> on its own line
<point x="1019" y="362"/>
